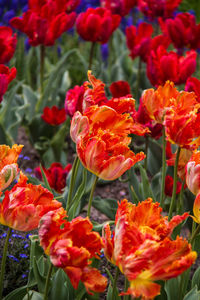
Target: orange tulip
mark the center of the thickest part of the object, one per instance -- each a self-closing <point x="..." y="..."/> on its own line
<point x="25" y="204"/>
<point x="71" y="246"/>
<point x="182" y="121"/>
<point x="157" y="102"/>
<point x="142" y="249"/>
<point x="101" y="137"/>
<point x="8" y="164"/>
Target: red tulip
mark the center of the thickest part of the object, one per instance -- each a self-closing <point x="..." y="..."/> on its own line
<point x="44" y="21"/>
<point x="8" y="43"/>
<point x="97" y="24"/>
<point x="193" y="85"/>
<point x="158" y="8"/>
<point x="56" y="175"/>
<point x="74" y="100"/>
<point x="169" y="182"/>
<point x="182" y="31"/>
<point x="54" y="116"/>
<point x="120" y="7"/>
<point x="139" y="39"/>
<point x="6" y="76"/>
<point x="163" y="66"/>
<point x="120" y="88"/>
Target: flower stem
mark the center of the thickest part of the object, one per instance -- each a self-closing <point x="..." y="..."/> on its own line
<point x="163" y="169"/>
<point x="194" y="234"/>
<point x="91" y="195"/>
<point x="91" y="55"/>
<point x="72" y="181"/>
<point x="42" y="56"/>
<point x="174" y="185"/>
<point x="115" y="284"/>
<point x="180" y="202"/>
<point x="3" y="262"/>
<point x="47" y="282"/>
<point x="137" y="88"/>
<point x="126" y="297"/>
<point x="146" y="152"/>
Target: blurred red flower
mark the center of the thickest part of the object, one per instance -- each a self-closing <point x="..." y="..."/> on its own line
<point x="193" y="85"/>
<point x="139" y="39"/>
<point x="45" y="21"/>
<point x="25" y="204"/>
<point x="8" y="43"/>
<point x="120" y="7"/>
<point x="182" y="31"/>
<point x="163" y="66"/>
<point x="6" y="76"/>
<point x="54" y="116"/>
<point x="74" y="100"/>
<point x="158" y="8"/>
<point x="97" y="24"/>
<point x="71" y="246"/>
<point x="56" y="175"/>
<point x="169" y="186"/>
<point x="120" y="88"/>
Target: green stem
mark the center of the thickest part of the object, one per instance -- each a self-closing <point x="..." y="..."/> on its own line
<point x="91" y="195"/>
<point x="146" y="152"/>
<point x="174" y="185"/>
<point x="126" y="297"/>
<point x="72" y="181"/>
<point x="3" y="262"/>
<point x="47" y="282"/>
<point x="180" y="203"/>
<point x="115" y="284"/>
<point x="163" y="169"/>
<point x="91" y="55"/>
<point x="42" y="56"/>
<point x="197" y="230"/>
<point x="137" y="88"/>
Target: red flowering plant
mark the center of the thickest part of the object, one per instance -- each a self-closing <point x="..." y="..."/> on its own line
<point x="6" y="76"/>
<point x="8" y="43"/>
<point x="120" y="7"/>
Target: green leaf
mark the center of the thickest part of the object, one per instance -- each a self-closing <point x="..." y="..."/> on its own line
<point x="109" y="293"/>
<point x="106" y="206"/>
<point x="33" y="295"/>
<point x="17" y="294"/>
<point x="78" y="196"/>
<point x="59" y="289"/>
<point x="45" y="179"/>
<point x="196" y="279"/>
<point x="194" y="294"/>
<point x="146" y="187"/>
<point x="30" y="98"/>
<point x="134" y="186"/>
<point x="172" y="288"/>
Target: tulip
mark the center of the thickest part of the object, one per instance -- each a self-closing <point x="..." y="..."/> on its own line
<point x="44" y="21"/>
<point x="139" y="40"/>
<point x="54" y="116"/>
<point x="56" y="175"/>
<point x="97" y="24"/>
<point x="158" y="8"/>
<point x="71" y="246"/>
<point x="25" y="204"/>
<point x="120" y="7"/>
<point x="142" y="248"/>
<point x="6" y="76"/>
<point x="193" y="85"/>
<point x="8" y="43"/>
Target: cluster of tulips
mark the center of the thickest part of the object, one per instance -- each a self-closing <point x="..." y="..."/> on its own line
<point x="106" y="126"/>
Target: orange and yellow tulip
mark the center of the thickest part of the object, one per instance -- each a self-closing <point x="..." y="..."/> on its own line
<point x="71" y="246"/>
<point x="25" y="204"/>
